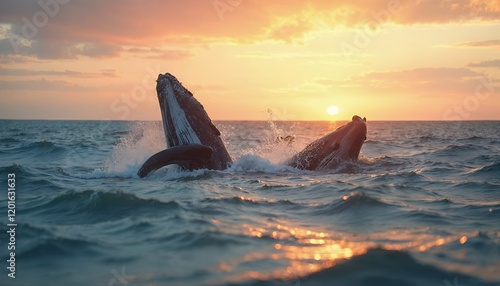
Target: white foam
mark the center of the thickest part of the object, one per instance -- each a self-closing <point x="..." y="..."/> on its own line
<point x="144" y="140"/>
<point x="370" y="161"/>
<point x="255" y="163"/>
<point x="147" y="138"/>
<point x="271" y="147"/>
<point x="175" y="172"/>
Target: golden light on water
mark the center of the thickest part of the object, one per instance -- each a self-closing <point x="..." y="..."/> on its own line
<point x="299" y="252"/>
<point x="463" y="239"/>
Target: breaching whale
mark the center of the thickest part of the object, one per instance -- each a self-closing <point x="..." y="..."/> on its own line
<point x="329" y="151"/>
<point x="194" y="142"/>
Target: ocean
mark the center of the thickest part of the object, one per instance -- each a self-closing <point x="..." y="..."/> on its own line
<point x="420" y="207"/>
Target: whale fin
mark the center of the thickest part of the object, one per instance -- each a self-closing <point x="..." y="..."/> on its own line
<point x="192" y="156"/>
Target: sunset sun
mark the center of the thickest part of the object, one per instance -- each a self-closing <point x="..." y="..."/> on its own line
<point x="332" y="110"/>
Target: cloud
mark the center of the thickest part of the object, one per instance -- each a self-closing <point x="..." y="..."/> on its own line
<point x="306" y="56"/>
<point x="42" y="85"/>
<point x="486" y="64"/>
<point x="65" y="73"/>
<point x="95" y="28"/>
<point x="163" y="54"/>
<point x="95" y="50"/>
<point x="290" y="30"/>
<point x="436" y="82"/>
<point x="59" y="49"/>
<point x="480" y="44"/>
<point x="431" y="11"/>
<point x="420" y="75"/>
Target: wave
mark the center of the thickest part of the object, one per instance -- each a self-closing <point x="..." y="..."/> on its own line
<point x="209" y="238"/>
<point x="18" y="169"/>
<point x="460" y="150"/>
<point x="377" y="266"/>
<point x="93" y="206"/>
<point x="41" y="241"/>
<point x="427" y="138"/>
<point x="9" y="140"/>
<point x="249" y="201"/>
<point x="42" y="145"/>
<point x="40" y="185"/>
<point x="353" y="203"/>
<point x="58" y="246"/>
<point x="425" y="217"/>
<point x="390" y="268"/>
<point x="374" y="142"/>
<point x="39" y="149"/>
<point x="488" y="170"/>
<point x="484" y="245"/>
<point x="473" y="138"/>
<point x="383" y="162"/>
<point x="399" y="177"/>
<point x="36" y="179"/>
<point x="439" y="169"/>
<point x="472" y="186"/>
<point x="118" y="133"/>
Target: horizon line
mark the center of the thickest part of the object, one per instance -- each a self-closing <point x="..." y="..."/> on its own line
<point x="256" y="120"/>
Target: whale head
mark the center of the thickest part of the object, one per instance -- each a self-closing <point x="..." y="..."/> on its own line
<point x="185" y="121"/>
<point x="178" y="109"/>
<point x="343" y="144"/>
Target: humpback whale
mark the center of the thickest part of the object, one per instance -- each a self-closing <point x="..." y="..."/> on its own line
<point x="329" y="151"/>
<point x="194" y="142"/>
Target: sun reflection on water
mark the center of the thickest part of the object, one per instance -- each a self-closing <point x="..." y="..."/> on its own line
<point x="295" y="252"/>
<point x="298" y="251"/>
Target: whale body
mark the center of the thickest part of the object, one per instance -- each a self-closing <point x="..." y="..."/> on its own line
<point x="343" y="144"/>
<point x="194" y="142"/>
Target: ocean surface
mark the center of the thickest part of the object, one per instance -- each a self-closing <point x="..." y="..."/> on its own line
<point x="420" y="207"/>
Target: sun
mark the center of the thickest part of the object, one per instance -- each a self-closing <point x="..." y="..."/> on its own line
<point x="333" y="110"/>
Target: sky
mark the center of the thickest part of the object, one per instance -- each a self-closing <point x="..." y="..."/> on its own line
<point x="252" y="59"/>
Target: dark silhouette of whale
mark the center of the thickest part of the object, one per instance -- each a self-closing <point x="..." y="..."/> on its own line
<point x="329" y="151"/>
<point x="194" y="142"/>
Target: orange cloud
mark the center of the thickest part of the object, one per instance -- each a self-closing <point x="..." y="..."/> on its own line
<point x="481" y="44"/>
<point x="66" y="73"/>
<point x="42" y="85"/>
<point x="157" y="53"/>
<point x="486" y="64"/>
<point x="436" y="82"/>
<point x="94" y="28"/>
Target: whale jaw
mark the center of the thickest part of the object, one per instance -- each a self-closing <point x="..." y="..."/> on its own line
<point x="328" y="152"/>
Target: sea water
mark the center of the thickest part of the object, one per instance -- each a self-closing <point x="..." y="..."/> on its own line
<point x="420" y="207"/>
